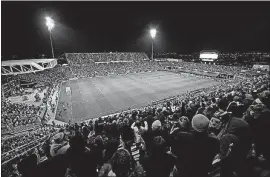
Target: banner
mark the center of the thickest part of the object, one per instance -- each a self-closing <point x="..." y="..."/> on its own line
<point x="261" y="67"/>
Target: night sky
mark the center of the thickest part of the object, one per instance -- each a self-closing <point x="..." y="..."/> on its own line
<point x="183" y="27"/>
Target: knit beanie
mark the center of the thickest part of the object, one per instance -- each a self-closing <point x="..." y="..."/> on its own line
<point x="156" y="124"/>
<point x="200" y="123"/>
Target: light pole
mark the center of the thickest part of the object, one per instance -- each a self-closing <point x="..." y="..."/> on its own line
<point x="50" y="25"/>
<point x="153" y="33"/>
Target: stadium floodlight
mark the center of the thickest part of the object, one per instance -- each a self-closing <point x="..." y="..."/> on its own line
<point x="50" y="25"/>
<point x="153" y="33"/>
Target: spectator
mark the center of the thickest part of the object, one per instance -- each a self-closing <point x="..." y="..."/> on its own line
<point x="121" y="166"/>
<point x="159" y="163"/>
<point x="82" y="162"/>
<point x="195" y="150"/>
<point x="257" y="117"/>
<point x="237" y="133"/>
<point x="93" y="144"/>
<point x="28" y="166"/>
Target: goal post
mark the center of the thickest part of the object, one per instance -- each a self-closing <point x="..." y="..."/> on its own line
<point x="68" y="90"/>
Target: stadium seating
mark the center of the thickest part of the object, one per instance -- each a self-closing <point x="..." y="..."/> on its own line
<point x="106" y="137"/>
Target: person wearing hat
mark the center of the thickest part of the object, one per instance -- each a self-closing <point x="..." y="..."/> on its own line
<point x="200" y="123"/>
<point x="195" y="149"/>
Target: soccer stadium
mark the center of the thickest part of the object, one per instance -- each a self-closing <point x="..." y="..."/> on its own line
<point x="135" y="114"/>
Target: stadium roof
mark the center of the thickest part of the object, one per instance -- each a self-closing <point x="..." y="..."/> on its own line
<point x="26" y="66"/>
<point x="25" y="62"/>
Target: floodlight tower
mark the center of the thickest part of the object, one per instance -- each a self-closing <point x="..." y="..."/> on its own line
<point x="153" y="33"/>
<point x="50" y="25"/>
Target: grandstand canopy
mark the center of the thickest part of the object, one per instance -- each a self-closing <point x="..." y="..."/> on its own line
<point x="12" y="67"/>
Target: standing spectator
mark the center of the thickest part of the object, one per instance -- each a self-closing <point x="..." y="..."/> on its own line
<point x="121" y="166"/>
<point x="196" y="149"/>
<point x="257" y="117"/>
<point x="82" y="162"/>
<point x="157" y="130"/>
<point x="28" y="166"/>
<point x="159" y="163"/>
<point x="237" y="133"/>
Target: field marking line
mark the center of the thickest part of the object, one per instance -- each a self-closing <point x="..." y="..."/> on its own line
<point x="70" y="100"/>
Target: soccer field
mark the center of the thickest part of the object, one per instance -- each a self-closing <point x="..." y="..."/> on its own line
<point x="100" y="96"/>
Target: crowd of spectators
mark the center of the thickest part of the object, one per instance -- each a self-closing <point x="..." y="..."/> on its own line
<point x="13" y="145"/>
<point x="15" y="115"/>
<point x="104" y="69"/>
<point x="81" y="58"/>
<point x="46" y="77"/>
<point x="179" y="137"/>
<point x="125" y="64"/>
<point x="233" y="70"/>
<point x="91" y="63"/>
<point x="186" y="136"/>
<point x="15" y="148"/>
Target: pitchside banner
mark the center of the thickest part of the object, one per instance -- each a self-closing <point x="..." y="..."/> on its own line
<point x="261" y="67"/>
<point x="174" y="60"/>
<point x="169" y="59"/>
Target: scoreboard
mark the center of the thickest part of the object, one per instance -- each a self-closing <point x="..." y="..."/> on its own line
<point x="208" y="56"/>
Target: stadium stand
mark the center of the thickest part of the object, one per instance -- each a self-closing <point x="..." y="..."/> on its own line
<point x="80" y="58"/>
<point x="216" y="130"/>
